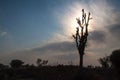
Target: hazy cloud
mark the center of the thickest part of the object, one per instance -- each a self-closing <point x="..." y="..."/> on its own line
<point x="114" y="30"/>
<point x="2" y="33"/>
<point x="54" y="52"/>
<point x="61" y="52"/>
<point x="56" y="47"/>
<point x="97" y="36"/>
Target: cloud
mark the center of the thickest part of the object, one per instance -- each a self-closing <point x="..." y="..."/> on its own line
<point x="57" y="47"/>
<point x="97" y="36"/>
<point x="101" y="18"/>
<point x="61" y="52"/>
<point x="106" y="16"/>
<point x="103" y="15"/>
<point x="114" y="30"/>
<point x="2" y="34"/>
<point x="54" y="52"/>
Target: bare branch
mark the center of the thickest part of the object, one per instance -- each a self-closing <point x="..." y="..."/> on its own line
<point x="74" y="36"/>
<point x="82" y="16"/>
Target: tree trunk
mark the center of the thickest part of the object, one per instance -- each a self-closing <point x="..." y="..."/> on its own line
<point x="81" y="61"/>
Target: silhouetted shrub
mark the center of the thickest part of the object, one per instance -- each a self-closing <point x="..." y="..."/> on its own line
<point x="16" y="63"/>
<point x="105" y="62"/>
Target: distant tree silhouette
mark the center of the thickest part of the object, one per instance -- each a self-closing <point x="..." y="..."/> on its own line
<point x="3" y="66"/>
<point x="16" y="63"/>
<point x="81" y="37"/>
<point x="45" y="62"/>
<point x="90" y="66"/>
<point x="105" y="62"/>
<point x="38" y="62"/>
<point x="41" y="62"/>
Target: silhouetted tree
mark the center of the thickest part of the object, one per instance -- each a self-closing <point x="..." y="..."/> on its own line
<point x="105" y="62"/>
<point x="81" y="37"/>
<point x="41" y="62"/>
<point x="16" y="63"/>
<point x="115" y="59"/>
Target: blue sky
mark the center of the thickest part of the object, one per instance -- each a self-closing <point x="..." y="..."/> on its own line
<point x="34" y="23"/>
<point x="28" y="21"/>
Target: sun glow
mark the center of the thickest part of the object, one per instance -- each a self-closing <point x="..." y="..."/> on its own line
<point x="68" y="19"/>
<point x="72" y="23"/>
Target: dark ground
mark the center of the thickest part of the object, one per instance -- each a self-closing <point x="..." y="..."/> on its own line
<point x="57" y="73"/>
